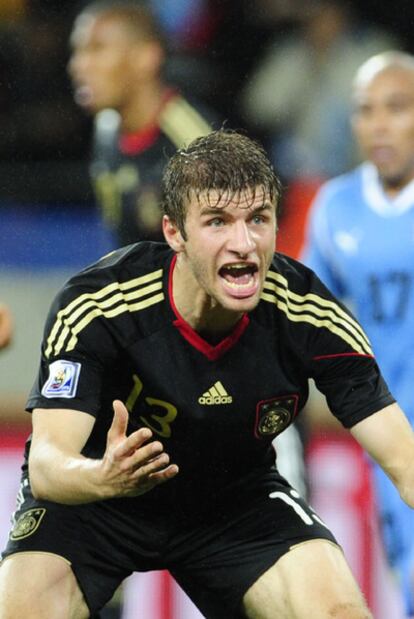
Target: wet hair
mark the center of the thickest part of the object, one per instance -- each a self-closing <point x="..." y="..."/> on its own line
<point x="223" y="160"/>
<point x="392" y="59"/>
<point x="135" y="15"/>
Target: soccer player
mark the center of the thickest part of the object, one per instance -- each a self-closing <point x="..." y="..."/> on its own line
<point x="203" y="346"/>
<point x="118" y="55"/>
<point x="361" y="244"/>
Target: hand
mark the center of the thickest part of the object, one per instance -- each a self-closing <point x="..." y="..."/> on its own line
<point x="131" y="465"/>
<point x="6" y="326"/>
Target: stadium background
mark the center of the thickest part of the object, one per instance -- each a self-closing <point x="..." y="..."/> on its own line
<point x="49" y="228"/>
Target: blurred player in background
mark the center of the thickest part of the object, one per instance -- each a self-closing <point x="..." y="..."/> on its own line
<point x="118" y="55"/>
<point x="361" y="244"/>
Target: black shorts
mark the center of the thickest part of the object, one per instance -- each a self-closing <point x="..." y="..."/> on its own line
<point x="215" y="556"/>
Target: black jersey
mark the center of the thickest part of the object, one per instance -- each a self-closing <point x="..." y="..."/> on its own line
<point x="127" y="170"/>
<point x="113" y="332"/>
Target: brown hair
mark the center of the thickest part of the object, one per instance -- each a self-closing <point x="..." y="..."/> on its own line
<point x="223" y="160"/>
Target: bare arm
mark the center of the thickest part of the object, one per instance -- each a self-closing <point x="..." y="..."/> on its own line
<point x="389" y="439"/>
<point x="131" y="465"/>
<point x="6" y="326"/>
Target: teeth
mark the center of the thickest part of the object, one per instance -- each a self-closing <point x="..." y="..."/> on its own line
<point x="239" y="284"/>
<point x="239" y="267"/>
<point x="236" y="285"/>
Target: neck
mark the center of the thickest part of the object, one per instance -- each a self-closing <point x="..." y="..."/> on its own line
<point x="391" y="192"/>
<point x="201" y="311"/>
<point x="143" y="108"/>
<point x="393" y="189"/>
<point x="394" y="184"/>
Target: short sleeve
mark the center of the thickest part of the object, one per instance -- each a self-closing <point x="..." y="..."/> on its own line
<point x="78" y="351"/>
<point x="341" y="360"/>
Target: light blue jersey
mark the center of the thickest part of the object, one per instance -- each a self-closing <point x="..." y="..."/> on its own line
<point x="361" y="244"/>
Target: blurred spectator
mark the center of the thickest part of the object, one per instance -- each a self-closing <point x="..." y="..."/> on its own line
<point x="186" y="22"/>
<point x="6" y="326"/>
<point x="299" y="92"/>
<point x="43" y="133"/>
<point x="190" y="27"/>
<point x="116" y="67"/>
<point x="39" y="119"/>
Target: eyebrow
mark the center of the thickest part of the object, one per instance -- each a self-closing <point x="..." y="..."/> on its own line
<point x="214" y="210"/>
<point x="266" y="206"/>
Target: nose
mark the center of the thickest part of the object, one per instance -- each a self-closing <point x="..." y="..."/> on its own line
<point x="73" y="64"/>
<point x="241" y="240"/>
<point x="77" y="64"/>
<point x="379" y="122"/>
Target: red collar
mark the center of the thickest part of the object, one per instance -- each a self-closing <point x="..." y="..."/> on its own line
<point x="137" y="142"/>
<point x="211" y="352"/>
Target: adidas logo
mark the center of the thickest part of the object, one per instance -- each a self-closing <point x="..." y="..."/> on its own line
<point x="215" y="395"/>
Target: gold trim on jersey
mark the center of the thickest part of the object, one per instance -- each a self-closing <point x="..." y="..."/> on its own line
<point x="73" y="318"/>
<point x="182" y="123"/>
<point x="315" y="310"/>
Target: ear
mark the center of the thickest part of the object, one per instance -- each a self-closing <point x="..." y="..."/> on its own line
<point x="147" y="58"/>
<point x="172" y="234"/>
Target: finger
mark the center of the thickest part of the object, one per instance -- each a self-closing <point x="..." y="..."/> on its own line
<point x="157" y="466"/>
<point x="136" y="454"/>
<point x="160" y="477"/>
<point x="134" y="442"/>
<point x="145" y="482"/>
<point x="119" y="422"/>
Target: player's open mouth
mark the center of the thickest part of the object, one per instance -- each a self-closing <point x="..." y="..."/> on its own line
<point x="83" y="95"/>
<point x="240" y="279"/>
<point x="382" y="153"/>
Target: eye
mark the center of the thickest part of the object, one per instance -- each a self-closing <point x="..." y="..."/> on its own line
<point x="362" y="111"/>
<point x="215" y="222"/>
<point x="397" y="106"/>
<point x="258" y="219"/>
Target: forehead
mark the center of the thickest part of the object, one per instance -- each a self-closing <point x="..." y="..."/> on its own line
<point x="103" y="29"/>
<point x="249" y="198"/>
<point x="388" y="83"/>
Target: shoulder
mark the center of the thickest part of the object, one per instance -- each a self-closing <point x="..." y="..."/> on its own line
<point x="122" y="270"/>
<point x="182" y="120"/>
<point x="291" y="276"/>
<point x="337" y="198"/>
<point x="100" y="299"/>
<point x="341" y="187"/>
<point x="308" y="310"/>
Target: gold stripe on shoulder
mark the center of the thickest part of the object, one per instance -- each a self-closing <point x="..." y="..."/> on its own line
<point x="109" y="313"/>
<point x="314" y="321"/>
<point x="182" y="123"/>
<point x="319" y="312"/>
<point x="68" y="315"/>
<point x="320" y="301"/>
